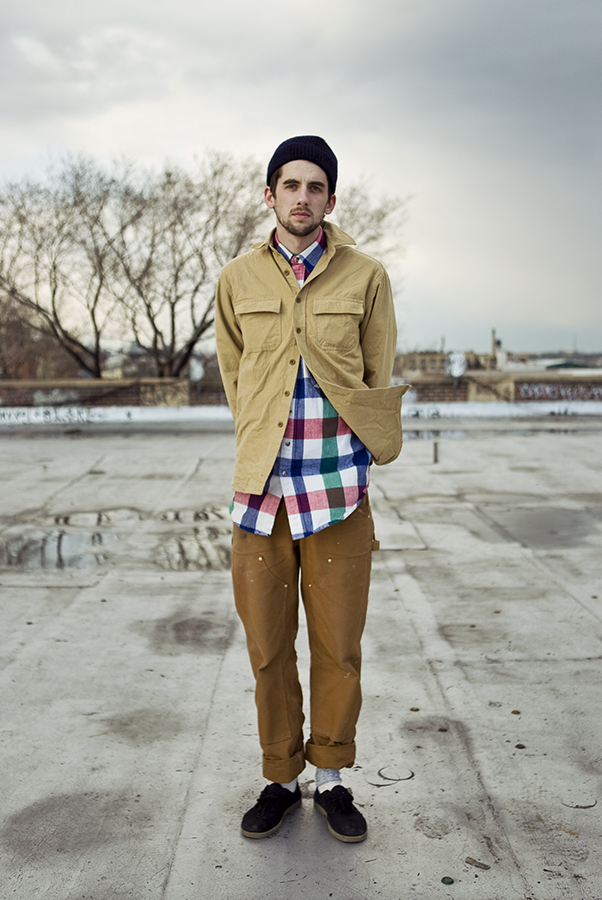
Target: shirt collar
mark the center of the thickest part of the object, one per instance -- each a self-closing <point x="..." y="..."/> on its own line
<point x="309" y="256"/>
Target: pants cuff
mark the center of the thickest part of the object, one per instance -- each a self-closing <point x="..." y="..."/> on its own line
<point x="338" y="756"/>
<point x="283" y="770"/>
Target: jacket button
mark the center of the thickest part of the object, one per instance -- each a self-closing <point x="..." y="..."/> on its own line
<point x="293" y="361"/>
<point x="280" y="424"/>
<point x="287" y="272"/>
<point x="287" y="393"/>
<point x="298" y="330"/>
<point x="298" y="299"/>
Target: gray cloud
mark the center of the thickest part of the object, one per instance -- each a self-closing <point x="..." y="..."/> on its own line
<point x="90" y="72"/>
<point x="512" y="67"/>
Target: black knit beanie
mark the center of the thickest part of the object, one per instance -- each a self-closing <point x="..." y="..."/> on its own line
<point x="310" y="147"/>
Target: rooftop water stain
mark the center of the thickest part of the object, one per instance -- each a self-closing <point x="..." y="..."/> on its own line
<point x="145" y="726"/>
<point x="56" y="549"/>
<point x="97" y="518"/>
<point x="548" y="527"/>
<point x="201" y="549"/>
<point x="80" y="539"/>
<point x="188" y="516"/>
<point x="73" y="823"/>
<point x="205" y="633"/>
<point x="433" y="827"/>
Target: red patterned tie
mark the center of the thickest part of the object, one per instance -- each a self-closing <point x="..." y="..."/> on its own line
<point x="299" y="268"/>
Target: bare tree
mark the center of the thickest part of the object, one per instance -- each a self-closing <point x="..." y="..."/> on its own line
<point x="88" y="252"/>
<point x="176" y="231"/>
<point x="55" y="259"/>
<point x="376" y="224"/>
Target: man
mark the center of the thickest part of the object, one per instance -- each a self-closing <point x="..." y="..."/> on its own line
<point x="306" y="336"/>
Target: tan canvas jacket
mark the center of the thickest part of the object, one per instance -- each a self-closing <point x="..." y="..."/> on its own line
<point x="342" y="322"/>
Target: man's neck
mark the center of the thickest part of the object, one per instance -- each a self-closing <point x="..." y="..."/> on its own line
<point x="296" y="243"/>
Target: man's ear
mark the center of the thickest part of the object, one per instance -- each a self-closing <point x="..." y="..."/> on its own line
<point x="269" y="198"/>
<point x="330" y="205"/>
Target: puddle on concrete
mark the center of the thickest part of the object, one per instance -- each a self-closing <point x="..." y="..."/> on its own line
<point x="203" y="549"/>
<point x="56" y="549"/>
<point x="80" y="539"/>
<point x="96" y="519"/>
<point x="189" y="516"/>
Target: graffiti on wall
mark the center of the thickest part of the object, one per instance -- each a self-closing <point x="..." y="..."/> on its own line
<point x="50" y="415"/>
<point x="542" y="390"/>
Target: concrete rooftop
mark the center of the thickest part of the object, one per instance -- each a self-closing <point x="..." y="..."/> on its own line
<point x="127" y="739"/>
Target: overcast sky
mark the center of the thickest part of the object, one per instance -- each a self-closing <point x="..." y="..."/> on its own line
<point x="486" y="113"/>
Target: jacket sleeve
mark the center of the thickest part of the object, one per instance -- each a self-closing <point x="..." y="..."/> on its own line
<point x="228" y="339"/>
<point x="378" y="335"/>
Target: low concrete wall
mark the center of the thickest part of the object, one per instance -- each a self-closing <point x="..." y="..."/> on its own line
<point x="473" y="387"/>
<point x="509" y="387"/>
<point x="108" y="392"/>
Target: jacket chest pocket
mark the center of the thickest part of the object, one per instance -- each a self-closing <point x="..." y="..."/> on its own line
<point x="260" y="322"/>
<point x="338" y="322"/>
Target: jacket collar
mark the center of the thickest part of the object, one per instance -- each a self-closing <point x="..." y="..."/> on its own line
<point x="335" y="237"/>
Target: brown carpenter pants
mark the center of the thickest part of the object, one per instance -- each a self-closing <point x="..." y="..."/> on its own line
<point x="335" y="578"/>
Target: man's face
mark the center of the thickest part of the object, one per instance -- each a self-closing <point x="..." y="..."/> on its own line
<point x="301" y="199"/>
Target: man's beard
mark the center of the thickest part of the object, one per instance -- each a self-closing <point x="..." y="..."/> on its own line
<point x="300" y="229"/>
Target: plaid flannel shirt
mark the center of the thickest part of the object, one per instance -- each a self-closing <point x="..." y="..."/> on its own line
<point x="322" y="468"/>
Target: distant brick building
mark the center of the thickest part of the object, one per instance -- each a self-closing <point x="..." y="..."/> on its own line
<point x="424" y="362"/>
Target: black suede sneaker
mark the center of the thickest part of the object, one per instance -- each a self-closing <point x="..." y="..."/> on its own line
<point x="265" y="818"/>
<point x="345" y="822"/>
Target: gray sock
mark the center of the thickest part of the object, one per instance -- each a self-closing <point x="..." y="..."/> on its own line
<point x="327" y="779"/>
